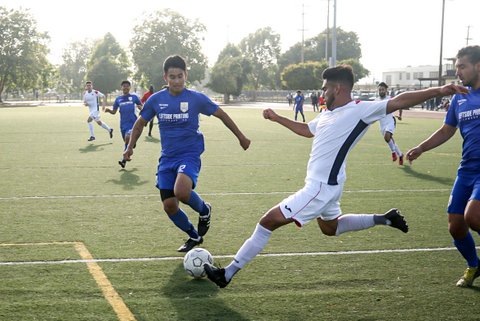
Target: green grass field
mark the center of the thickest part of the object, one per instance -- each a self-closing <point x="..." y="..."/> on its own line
<point x="63" y="199"/>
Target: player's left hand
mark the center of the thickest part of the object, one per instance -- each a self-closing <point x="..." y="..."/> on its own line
<point x="245" y="143"/>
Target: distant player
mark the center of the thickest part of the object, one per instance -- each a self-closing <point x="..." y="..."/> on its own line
<point x="387" y="126"/>
<point x="334" y="134"/>
<point x="464" y="203"/>
<point x="143" y="100"/>
<point x="126" y="104"/>
<point x="178" y="110"/>
<point x="91" y="99"/>
<point x="298" y="105"/>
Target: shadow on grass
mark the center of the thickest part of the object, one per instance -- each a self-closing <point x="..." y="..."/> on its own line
<point x="442" y="180"/>
<point x="152" y="139"/>
<point x="128" y="179"/>
<point x="93" y="148"/>
<point x="197" y="299"/>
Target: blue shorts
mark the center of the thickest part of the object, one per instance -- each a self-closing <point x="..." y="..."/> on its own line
<point x="464" y="189"/>
<point x="125" y="132"/>
<point x="168" y="169"/>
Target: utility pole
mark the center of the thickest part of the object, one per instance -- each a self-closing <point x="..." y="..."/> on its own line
<point x="333" y="63"/>
<point x="468" y="34"/>
<point x="302" y="52"/>
<point x="328" y="30"/>
<point x="440" y="82"/>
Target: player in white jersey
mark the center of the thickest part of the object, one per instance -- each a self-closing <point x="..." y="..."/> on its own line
<point x="387" y="126"/>
<point x="334" y="134"/>
<point x="91" y="100"/>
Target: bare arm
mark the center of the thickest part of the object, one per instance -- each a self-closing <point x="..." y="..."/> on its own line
<point x="296" y="127"/>
<point x="439" y="137"/>
<point x="134" y="136"/>
<point x="110" y="111"/>
<point x="223" y="116"/>
<point x="412" y="98"/>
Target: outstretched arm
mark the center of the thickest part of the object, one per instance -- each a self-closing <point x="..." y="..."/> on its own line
<point x="110" y="111"/>
<point x="134" y="136"/>
<point x="296" y="127"/>
<point x="439" y="137"/>
<point x="223" y="116"/>
<point x="411" y="98"/>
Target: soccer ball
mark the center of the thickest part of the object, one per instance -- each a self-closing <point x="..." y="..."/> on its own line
<point x="194" y="260"/>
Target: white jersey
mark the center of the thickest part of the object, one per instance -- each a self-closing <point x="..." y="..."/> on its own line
<point x="387" y="123"/>
<point x="92" y="99"/>
<point x="335" y="133"/>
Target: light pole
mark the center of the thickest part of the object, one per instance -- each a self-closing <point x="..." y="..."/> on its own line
<point x="333" y="63"/>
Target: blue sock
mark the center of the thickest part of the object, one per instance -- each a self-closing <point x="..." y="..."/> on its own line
<point x="466" y="247"/>
<point x="181" y="220"/>
<point x="197" y="204"/>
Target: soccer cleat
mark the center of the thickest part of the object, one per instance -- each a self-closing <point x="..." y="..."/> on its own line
<point x="204" y="221"/>
<point x="400" y="160"/>
<point x="397" y="220"/>
<point x="92" y="138"/>
<point x="471" y="273"/>
<point x="122" y="163"/>
<point x="111" y="132"/>
<point x="190" y="244"/>
<point x="394" y="157"/>
<point x="216" y="275"/>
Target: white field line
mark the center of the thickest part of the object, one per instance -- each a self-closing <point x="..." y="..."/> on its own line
<point x="15" y="198"/>
<point x="177" y="258"/>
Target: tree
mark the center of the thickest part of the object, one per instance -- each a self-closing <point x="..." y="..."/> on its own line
<point x="359" y="71"/>
<point x="73" y="70"/>
<point x="164" y="33"/>
<point x="108" y="64"/>
<point x="306" y="75"/>
<point x="228" y="75"/>
<point x="348" y="47"/>
<point x="262" y="49"/>
<point x="23" y="51"/>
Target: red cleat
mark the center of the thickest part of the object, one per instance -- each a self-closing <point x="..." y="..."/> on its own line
<point x="394" y="157"/>
<point x="400" y="160"/>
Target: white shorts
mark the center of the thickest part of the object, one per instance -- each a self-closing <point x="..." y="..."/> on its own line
<point x="311" y="202"/>
<point x="387" y="124"/>
<point x="95" y="114"/>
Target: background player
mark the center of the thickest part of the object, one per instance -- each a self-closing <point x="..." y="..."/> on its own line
<point x="91" y="99"/>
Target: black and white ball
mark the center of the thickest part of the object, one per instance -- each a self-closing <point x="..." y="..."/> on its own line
<point x="194" y="260"/>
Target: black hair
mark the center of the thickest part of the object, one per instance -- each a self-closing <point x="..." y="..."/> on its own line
<point x="174" y="61"/>
<point x="473" y="53"/>
<point x="340" y="73"/>
<point x="125" y="82"/>
<point x="151" y="89"/>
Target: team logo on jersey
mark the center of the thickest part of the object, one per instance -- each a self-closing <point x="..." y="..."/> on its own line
<point x="130" y="98"/>
<point x="184" y="106"/>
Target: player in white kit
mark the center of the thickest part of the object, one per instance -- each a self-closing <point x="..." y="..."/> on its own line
<point x="334" y="134"/>
<point x="91" y="99"/>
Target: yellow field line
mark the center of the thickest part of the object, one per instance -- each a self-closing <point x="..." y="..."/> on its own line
<point x="120" y="308"/>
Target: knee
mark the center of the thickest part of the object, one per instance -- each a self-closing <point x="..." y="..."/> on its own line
<point x="328" y="231"/>
<point x="170" y="206"/>
<point x="182" y="195"/>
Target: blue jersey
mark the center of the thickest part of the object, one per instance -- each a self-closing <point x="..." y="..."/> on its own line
<point x="299" y="101"/>
<point x="127" y="103"/>
<point x="178" y="120"/>
<point x="464" y="113"/>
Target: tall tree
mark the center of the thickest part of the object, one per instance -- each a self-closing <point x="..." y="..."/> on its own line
<point x="73" y="70"/>
<point x="164" y="33"/>
<point x="262" y="48"/>
<point x="306" y="75"/>
<point x="228" y="75"/>
<point x="108" y="65"/>
<point x="23" y="51"/>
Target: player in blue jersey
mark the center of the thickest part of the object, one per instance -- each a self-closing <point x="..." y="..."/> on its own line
<point x="178" y="110"/>
<point x="126" y="104"/>
<point x="464" y="203"/>
<point x="298" y="105"/>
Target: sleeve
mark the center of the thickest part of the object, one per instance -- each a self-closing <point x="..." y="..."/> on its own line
<point x="208" y="107"/>
<point x="451" y="117"/>
<point x="148" y="112"/>
<point x="99" y="94"/>
<point x="312" y="125"/>
<point x="373" y="111"/>
<point x="137" y="100"/>
<point x="116" y="104"/>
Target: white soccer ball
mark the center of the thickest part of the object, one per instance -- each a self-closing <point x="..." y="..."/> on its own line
<point x="194" y="260"/>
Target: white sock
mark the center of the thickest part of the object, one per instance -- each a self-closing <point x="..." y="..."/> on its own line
<point x="354" y="222"/>
<point x="248" y="251"/>
<point x="398" y="151"/>
<point x="105" y="126"/>
<point x="90" y="126"/>
<point x="391" y="144"/>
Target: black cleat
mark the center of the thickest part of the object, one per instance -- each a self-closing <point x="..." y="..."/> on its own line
<point x="92" y="138"/>
<point x="204" y="221"/>
<point x="190" y="244"/>
<point x="122" y="163"/>
<point x="111" y="132"/>
<point x="216" y="275"/>
<point x="397" y="220"/>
